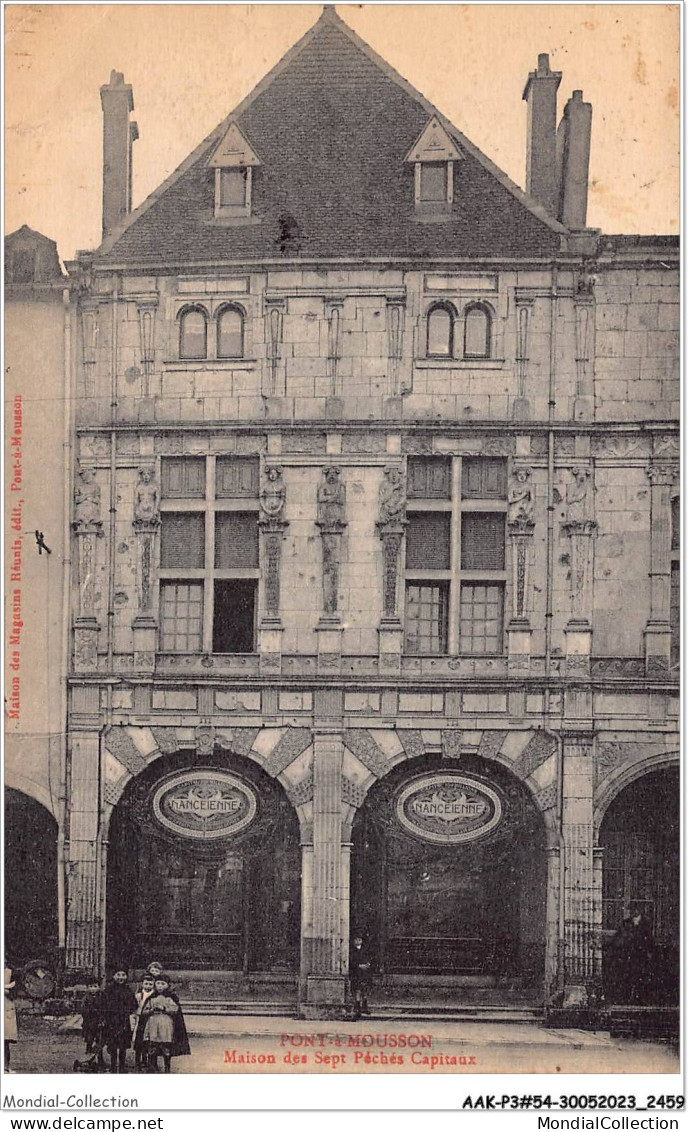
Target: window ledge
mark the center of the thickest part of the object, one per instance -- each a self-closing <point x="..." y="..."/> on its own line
<point x="237" y="221"/>
<point x="459" y="363"/>
<point x="209" y="363"/>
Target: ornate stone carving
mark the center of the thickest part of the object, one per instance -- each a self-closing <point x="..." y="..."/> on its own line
<point x="392" y="497"/>
<point x="617" y="666"/>
<point x="331" y="520"/>
<point x="587" y="278"/>
<point x="146" y="501"/>
<point x="166" y="739"/>
<point x="204" y="739"/>
<point x="361" y="744"/>
<point x="390" y="525"/>
<point x="302" y="793"/>
<point x="87" y="503"/>
<point x="451" y="744"/>
<point x="292" y="744"/>
<point x="491" y="744"/>
<point x="521" y="503"/>
<point x="663" y="475"/>
<point x="547" y="798"/>
<point x="539" y="748"/>
<point x="120" y="744"/>
<point x="578" y="497"/>
<point x="273" y="494"/>
<point x="412" y="742"/>
<point x="353" y="794"/>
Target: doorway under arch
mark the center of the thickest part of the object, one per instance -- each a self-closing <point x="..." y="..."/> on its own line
<point x="640" y="839"/>
<point x="30" y="880"/>
<point x="228" y="901"/>
<point x="471" y="911"/>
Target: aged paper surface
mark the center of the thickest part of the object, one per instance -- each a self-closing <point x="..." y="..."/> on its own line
<point x="328" y="475"/>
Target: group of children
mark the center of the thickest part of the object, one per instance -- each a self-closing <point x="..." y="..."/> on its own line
<point x="149" y="1019"/>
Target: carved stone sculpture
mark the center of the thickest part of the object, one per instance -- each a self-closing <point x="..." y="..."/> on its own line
<point x="577" y="497"/>
<point x="147" y="500"/>
<point x="87" y="503"/>
<point x="331" y="499"/>
<point x="392" y="497"/>
<point x="331" y="519"/>
<point x="273" y="493"/>
<point x="521" y="503"/>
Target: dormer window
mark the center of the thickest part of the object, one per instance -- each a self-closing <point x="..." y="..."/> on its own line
<point x="233" y="162"/>
<point x="433" y="158"/>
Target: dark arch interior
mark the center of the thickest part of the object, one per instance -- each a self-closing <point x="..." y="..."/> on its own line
<point x="475" y="909"/>
<point x="640" y="839"/>
<point x="30" y="880"/>
<point x="233" y="905"/>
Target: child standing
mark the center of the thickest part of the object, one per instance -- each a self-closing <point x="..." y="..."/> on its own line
<point x="117" y="1004"/>
<point x="139" y="1021"/>
<point x="10" y="1018"/>
<point x="159" y="1012"/>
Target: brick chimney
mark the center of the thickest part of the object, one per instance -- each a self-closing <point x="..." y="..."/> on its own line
<point x="119" y="135"/>
<point x="573" y="160"/>
<point x="541" y="154"/>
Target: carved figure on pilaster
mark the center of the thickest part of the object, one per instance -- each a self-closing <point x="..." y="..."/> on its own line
<point x="390" y="525"/>
<point x="579" y="517"/>
<point x="332" y="522"/>
<point x="521" y="502"/>
<point x="392" y="497"/>
<point x="87" y="503"/>
<point x="580" y="526"/>
<point x="146" y="501"/>
<point x="273" y="495"/>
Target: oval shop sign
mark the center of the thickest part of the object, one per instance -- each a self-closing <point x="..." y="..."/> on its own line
<point x="205" y="804"/>
<point x="448" y="808"/>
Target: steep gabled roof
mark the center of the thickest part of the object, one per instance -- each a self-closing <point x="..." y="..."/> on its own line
<point x="332" y="124"/>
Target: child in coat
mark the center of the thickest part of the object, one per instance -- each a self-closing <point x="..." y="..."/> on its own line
<point x="159" y="1014"/>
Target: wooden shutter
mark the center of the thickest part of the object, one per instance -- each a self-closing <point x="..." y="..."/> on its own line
<point x="427" y="541"/>
<point x="482" y="541"/>
<point x="236" y="540"/>
<point x="183" y="477"/>
<point x="428" y="478"/>
<point x="483" y="478"/>
<point x="236" y="477"/>
<point x="182" y="540"/>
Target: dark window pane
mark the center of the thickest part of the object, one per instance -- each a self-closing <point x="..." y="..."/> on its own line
<point x="433" y="181"/>
<point x="483" y="478"/>
<point x="183" y="477"/>
<point x="181" y="616"/>
<point x="480" y="618"/>
<point x="192" y="335"/>
<point x="182" y="538"/>
<point x="429" y="478"/>
<point x="232" y="187"/>
<point x="482" y="541"/>
<point x="427" y="541"/>
<point x="676" y="523"/>
<point x="440" y="333"/>
<point x="236" y="477"/>
<point x="476" y="341"/>
<point x="426" y="618"/>
<point x="234" y="616"/>
<point x="230" y="334"/>
<point x="675" y="613"/>
<point x="236" y="539"/>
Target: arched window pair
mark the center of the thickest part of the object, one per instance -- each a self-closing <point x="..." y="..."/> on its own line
<point x="441" y="331"/>
<point x="193" y="332"/>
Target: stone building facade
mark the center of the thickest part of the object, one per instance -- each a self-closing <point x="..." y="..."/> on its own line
<point x="374" y="580"/>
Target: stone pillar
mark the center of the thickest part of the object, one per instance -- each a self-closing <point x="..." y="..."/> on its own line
<point x="332" y="523"/>
<point x="524" y="313"/>
<point x="274" y="382"/>
<point x="395" y="309"/>
<point x="658" y="628"/>
<point x="582" y="900"/>
<point x="584" y="313"/>
<point x="324" y="948"/>
<point x="521" y="528"/>
<point x="88" y="528"/>
<point x="334" y="313"/>
<point x="146" y="526"/>
<point x="553" y="967"/>
<point x="391" y="526"/>
<point x="580" y="527"/>
<point x="82" y="858"/>
<point x="272" y="526"/>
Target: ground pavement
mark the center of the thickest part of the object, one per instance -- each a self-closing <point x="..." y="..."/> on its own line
<point x="238" y="1044"/>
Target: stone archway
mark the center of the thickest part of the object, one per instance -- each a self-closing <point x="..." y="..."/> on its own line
<point x="639" y="844"/>
<point x="436" y="909"/>
<point x="204" y="868"/>
<point x="31" y="912"/>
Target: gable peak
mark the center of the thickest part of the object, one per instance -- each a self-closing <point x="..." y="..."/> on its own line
<point x="434" y="144"/>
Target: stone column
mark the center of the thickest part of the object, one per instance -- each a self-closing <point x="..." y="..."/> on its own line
<point x="332" y="523"/>
<point x="391" y="526"/>
<point x="324" y="949"/>
<point x="334" y="313"/>
<point x="581" y="528"/>
<point x="87" y="527"/>
<point x="582" y="900"/>
<point x="658" y="628"/>
<point x="274" y="384"/>
<point x="82" y="853"/>
<point x="584" y="314"/>
<point x="146" y="526"/>
<point x="524" y="313"/>
<point x="396" y="308"/>
<point x="521" y="527"/>
<point x="272" y="526"/>
<point x="553" y="966"/>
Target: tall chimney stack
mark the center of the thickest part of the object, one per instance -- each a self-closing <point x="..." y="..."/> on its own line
<point x="541" y="154"/>
<point x="119" y="135"/>
<point x="573" y="160"/>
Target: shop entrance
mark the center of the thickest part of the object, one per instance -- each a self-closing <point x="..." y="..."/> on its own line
<point x="449" y="876"/>
<point x="204" y="870"/>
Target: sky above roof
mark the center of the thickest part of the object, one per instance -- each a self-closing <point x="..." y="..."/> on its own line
<point x="191" y="64"/>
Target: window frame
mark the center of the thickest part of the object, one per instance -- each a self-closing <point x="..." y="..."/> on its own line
<point x="485" y="310"/>
<point x="457" y="506"/>
<point x="449" y="310"/>
<point x="230" y="308"/>
<point x="182" y="314"/>
<point x="210" y="505"/>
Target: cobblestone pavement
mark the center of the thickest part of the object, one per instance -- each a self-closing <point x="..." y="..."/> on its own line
<point x="285" y="1045"/>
